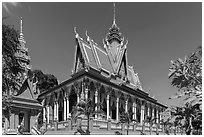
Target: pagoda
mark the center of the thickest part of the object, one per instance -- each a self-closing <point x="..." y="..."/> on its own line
<point x="24" y="106"/>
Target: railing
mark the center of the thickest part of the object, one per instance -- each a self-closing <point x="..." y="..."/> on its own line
<point x="99" y="124"/>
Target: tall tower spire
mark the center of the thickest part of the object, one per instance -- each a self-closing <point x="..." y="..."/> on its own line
<point x="114" y="13"/>
<point x="21" y="29"/>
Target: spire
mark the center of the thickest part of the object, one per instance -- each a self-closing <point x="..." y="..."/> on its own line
<point x="21" y="29"/>
<point x="113" y="13"/>
<point x="114" y="30"/>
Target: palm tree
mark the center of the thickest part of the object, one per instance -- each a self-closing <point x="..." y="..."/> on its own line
<point x="86" y="108"/>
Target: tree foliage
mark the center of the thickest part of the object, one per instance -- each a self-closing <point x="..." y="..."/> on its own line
<point x="10" y="67"/>
<point x="45" y="81"/>
<point x="186" y="75"/>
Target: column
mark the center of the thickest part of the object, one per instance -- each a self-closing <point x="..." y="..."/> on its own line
<point x="96" y="101"/>
<point x="157" y="116"/>
<point x="148" y="111"/>
<point x="44" y="119"/>
<point x="67" y="98"/>
<point x="65" y="109"/>
<point x="16" y="120"/>
<point x="107" y="107"/>
<point x="135" y="111"/>
<point x="12" y="121"/>
<point x="152" y="112"/>
<point x="86" y="93"/>
<point x="48" y="114"/>
<point x="26" y="121"/>
<point x="142" y="114"/>
<point x="77" y="97"/>
<point x="126" y="105"/>
<point x="117" y="109"/>
<point x="57" y="110"/>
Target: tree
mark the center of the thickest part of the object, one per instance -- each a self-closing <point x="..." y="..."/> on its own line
<point x="10" y="67"/>
<point x="186" y="75"/>
<point x="45" y="81"/>
<point x="85" y="107"/>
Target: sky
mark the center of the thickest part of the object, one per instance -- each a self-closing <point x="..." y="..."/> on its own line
<point x="157" y="33"/>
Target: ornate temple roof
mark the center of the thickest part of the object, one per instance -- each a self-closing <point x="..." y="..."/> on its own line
<point x="112" y="61"/>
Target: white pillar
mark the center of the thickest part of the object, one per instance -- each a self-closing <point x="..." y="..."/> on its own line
<point x="142" y="114"/>
<point x="107" y="107"/>
<point x="65" y="109"/>
<point x="148" y="111"/>
<point x="96" y="101"/>
<point x="77" y="98"/>
<point x="86" y="93"/>
<point x="57" y="110"/>
<point x="126" y="106"/>
<point x="48" y="114"/>
<point x="157" y="116"/>
<point x="152" y="112"/>
<point x="133" y="110"/>
<point x="44" y="119"/>
<point x="117" y="109"/>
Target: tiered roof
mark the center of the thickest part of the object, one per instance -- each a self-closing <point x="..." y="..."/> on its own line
<point x="110" y="62"/>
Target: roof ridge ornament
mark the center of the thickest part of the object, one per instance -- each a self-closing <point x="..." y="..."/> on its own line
<point x="88" y="38"/>
<point x="76" y="34"/>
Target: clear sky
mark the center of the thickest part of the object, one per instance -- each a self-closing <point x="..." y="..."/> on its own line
<point x="157" y="33"/>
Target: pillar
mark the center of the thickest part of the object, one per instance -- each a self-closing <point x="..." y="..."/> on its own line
<point x="86" y="93"/>
<point x="12" y="121"/>
<point x="16" y="120"/>
<point x="148" y="111"/>
<point x="67" y="99"/>
<point x="142" y="114"/>
<point x="135" y="111"/>
<point x="107" y="107"/>
<point x="126" y="105"/>
<point x="96" y="101"/>
<point x="117" y="109"/>
<point x="26" y="121"/>
<point x="157" y="116"/>
<point x="65" y="110"/>
<point x="57" y="111"/>
<point x="44" y="119"/>
<point x="77" y="97"/>
<point x="152" y="112"/>
<point x="48" y="114"/>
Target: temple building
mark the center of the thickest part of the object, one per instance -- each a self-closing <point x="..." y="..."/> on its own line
<point x="24" y="104"/>
<point x="103" y="75"/>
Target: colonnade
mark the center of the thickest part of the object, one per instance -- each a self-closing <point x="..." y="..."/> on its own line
<point x="111" y="95"/>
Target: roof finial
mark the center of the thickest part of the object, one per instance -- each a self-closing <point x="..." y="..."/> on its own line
<point x="21" y="29"/>
<point x="114" y="13"/>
